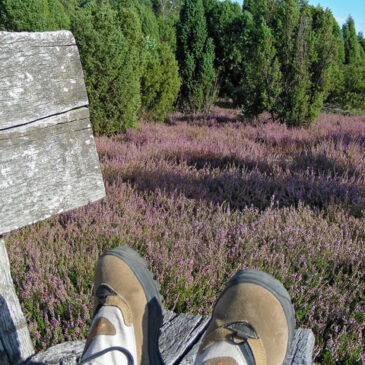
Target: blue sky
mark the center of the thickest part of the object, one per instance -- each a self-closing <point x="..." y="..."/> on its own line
<point x="341" y="9"/>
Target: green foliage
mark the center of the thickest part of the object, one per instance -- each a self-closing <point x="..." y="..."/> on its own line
<point x="112" y="85"/>
<point x="224" y="21"/>
<point x="352" y="46"/>
<point x="290" y="60"/>
<point x="195" y="54"/>
<point x="293" y="106"/>
<point x="167" y="8"/>
<point x="325" y="55"/>
<point x="351" y="94"/>
<point x="160" y="81"/>
<point x="167" y="30"/>
<point x="307" y="46"/>
<point x="32" y="15"/>
<point x="336" y="88"/>
<point x="361" y="40"/>
<point x="70" y="6"/>
<point x="261" y="75"/>
<point x="148" y="21"/>
<point x="285" y="57"/>
<point x="130" y="25"/>
<point x="153" y="60"/>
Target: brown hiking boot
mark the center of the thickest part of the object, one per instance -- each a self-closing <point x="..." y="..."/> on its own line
<point x="255" y="315"/>
<point x="122" y="280"/>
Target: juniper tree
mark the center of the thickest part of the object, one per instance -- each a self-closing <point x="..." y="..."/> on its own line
<point x="260" y="82"/>
<point x="336" y="87"/>
<point x="195" y="54"/>
<point x="361" y="40"/>
<point x="324" y="54"/>
<point x="154" y="62"/>
<point x="129" y="23"/>
<point x="33" y="15"/>
<point x="293" y="39"/>
<point x="224" y="22"/>
<point x="111" y="81"/>
<point x="160" y="80"/>
<point x="148" y="21"/>
<point x="354" y="68"/>
<point x="352" y="45"/>
<point x="166" y="8"/>
<point x="167" y="30"/>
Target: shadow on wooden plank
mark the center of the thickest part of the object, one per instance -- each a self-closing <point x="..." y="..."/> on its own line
<point x="179" y="343"/>
<point x="9" y="343"/>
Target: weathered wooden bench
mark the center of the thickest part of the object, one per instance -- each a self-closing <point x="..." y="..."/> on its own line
<point x="49" y="165"/>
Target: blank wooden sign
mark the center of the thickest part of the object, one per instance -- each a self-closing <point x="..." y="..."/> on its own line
<point x="48" y="159"/>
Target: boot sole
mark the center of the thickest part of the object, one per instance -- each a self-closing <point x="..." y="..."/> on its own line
<point x="153" y="296"/>
<point x="275" y="287"/>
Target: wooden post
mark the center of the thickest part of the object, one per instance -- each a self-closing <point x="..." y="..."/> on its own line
<point x="48" y="160"/>
<point x="15" y="343"/>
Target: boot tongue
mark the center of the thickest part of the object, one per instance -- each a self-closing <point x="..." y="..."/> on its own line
<point x="242" y="330"/>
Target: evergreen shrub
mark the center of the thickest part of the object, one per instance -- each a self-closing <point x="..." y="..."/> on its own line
<point x="195" y="54"/>
<point x="160" y="81"/>
<point x="32" y="15"/>
<point x="111" y="81"/>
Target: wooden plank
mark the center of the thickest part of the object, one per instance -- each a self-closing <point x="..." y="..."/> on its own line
<point x="189" y="358"/>
<point x="48" y="160"/>
<point x="179" y="334"/>
<point x="300" y="353"/>
<point x="302" y="347"/>
<point x="16" y="345"/>
<point x="41" y="75"/>
<point x="174" y="346"/>
<point x="47" y="171"/>
<point x="67" y="353"/>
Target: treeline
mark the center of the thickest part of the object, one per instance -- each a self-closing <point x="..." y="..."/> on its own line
<point x="143" y="58"/>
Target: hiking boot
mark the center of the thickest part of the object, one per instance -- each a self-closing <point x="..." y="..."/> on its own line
<point x="253" y="322"/>
<point x="123" y="281"/>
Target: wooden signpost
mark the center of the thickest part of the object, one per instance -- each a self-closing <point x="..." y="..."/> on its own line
<point x="48" y="159"/>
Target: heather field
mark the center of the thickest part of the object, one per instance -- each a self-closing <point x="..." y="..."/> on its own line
<point x="201" y="197"/>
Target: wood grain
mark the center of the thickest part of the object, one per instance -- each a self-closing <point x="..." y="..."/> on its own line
<point x="179" y="343"/>
<point x="47" y="171"/>
<point x="15" y="343"/>
<point x="48" y="159"/>
<point x="40" y="76"/>
<point x="178" y="334"/>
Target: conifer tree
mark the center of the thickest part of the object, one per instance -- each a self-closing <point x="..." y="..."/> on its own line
<point x="167" y="30"/>
<point x="292" y="106"/>
<point x="166" y="8"/>
<point x="148" y="21"/>
<point x="129" y="23"/>
<point x="111" y="81"/>
<point x="258" y="9"/>
<point x="361" y="40"/>
<point x="154" y="62"/>
<point x="33" y="15"/>
<point x="354" y="69"/>
<point x="352" y="46"/>
<point x="261" y="79"/>
<point x="195" y="54"/>
<point x="224" y="21"/>
<point x="160" y="81"/>
<point x="336" y="87"/>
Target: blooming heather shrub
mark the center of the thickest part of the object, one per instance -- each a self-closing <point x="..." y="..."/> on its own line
<point x="200" y="200"/>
